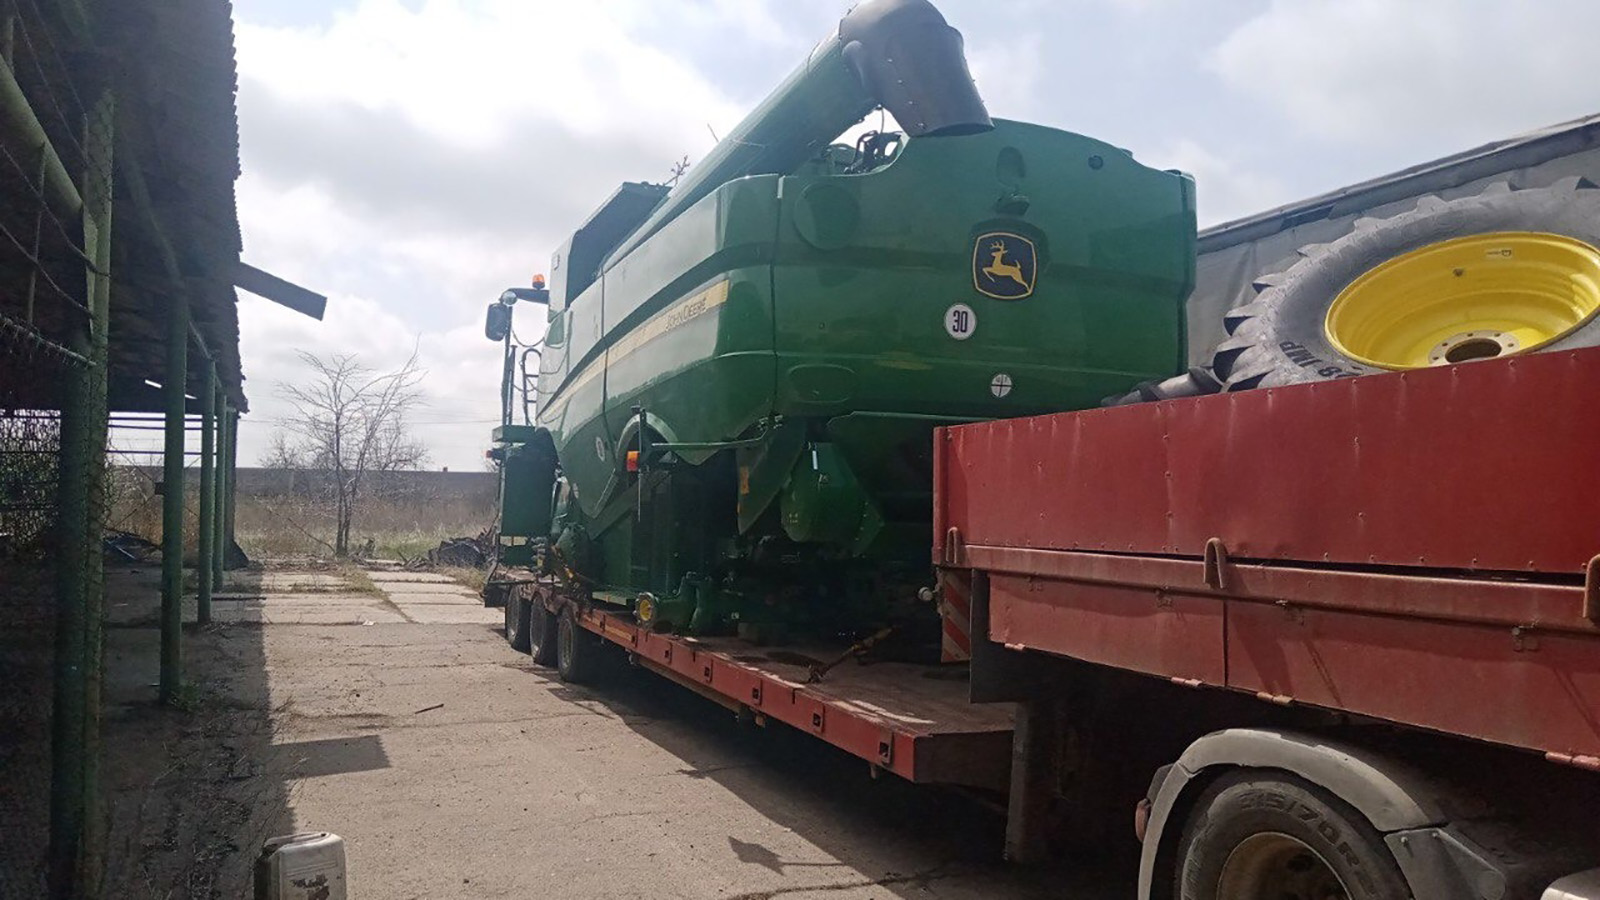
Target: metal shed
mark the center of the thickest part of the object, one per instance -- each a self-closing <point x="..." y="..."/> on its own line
<point x="119" y="255"/>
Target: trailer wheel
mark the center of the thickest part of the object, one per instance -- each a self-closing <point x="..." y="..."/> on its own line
<point x="516" y="612"/>
<point x="542" y="630"/>
<point x="577" y="650"/>
<point x="1499" y="273"/>
<point x="1256" y="836"/>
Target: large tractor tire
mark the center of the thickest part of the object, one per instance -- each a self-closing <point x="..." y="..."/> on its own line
<point x="1269" y="836"/>
<point x="578" y="652"/>
<point x="1496" y="274"/>
<point x="541" y="633"/>
<point x="516" y="612"/>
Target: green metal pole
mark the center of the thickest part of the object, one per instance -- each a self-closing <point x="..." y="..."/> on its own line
<point x="99" y="146"/>
<point x="232" y="469"/>
<point x="219" y="535"/>
<point x="205" y="565"/>
<point x="172" y="500"/>
<point x="75" y="717"/>
<point x="18" y="115"/>
<point x="67" y="750"/>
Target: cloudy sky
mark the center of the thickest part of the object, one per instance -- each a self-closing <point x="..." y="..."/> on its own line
<point x="412" y="158"/>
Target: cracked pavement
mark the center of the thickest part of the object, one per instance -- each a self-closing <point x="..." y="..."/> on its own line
<point x="455" y="768"/>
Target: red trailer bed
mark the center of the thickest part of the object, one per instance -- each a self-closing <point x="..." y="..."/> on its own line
<point x="912" y="720"/>
<point x="1411" y="546"/>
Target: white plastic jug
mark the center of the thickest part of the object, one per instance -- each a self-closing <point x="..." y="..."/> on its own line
<point x="305" y="866"/>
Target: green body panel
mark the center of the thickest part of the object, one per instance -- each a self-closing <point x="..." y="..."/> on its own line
<point x="825" y="295"/>
<point x="682" y="326"/>
<point x="527" y="480"/>
<point x="1115" y="249"/>
<point x="804" y="316"/>
<point x="823" y="502"/>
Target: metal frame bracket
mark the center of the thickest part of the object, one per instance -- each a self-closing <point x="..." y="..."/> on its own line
<point x="1216" y="562"/>
<point x="1591" y="591"/>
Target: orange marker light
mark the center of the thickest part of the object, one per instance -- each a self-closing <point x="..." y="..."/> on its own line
<point x="538" y="281"/>
<point x="633" y="460"/>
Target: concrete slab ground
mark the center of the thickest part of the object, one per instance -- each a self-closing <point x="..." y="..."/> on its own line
<point x="455" y="768"/>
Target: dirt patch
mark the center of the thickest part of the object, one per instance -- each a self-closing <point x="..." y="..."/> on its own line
<point x="188" y="794"/>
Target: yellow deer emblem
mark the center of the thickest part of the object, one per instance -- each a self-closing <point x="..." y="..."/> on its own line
<point x="1012" y="265"/>
<point x="998" y="268"/>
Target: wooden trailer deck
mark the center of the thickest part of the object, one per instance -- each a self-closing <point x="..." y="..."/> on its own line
<point x="909" y="719"/>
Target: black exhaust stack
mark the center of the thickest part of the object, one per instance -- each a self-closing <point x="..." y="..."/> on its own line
<point x="898" y="54"/>
<point x="914" y="65"/>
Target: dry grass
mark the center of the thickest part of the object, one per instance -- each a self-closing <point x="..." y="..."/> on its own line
<point x="358" y="581"/>
<point x="466" y="577"/>
<point x="296" y="528"/>
<point x="383" y="529"/>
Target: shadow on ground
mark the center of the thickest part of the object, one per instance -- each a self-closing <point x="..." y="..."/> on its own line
<point x="834" y="801"/>
<point x="407" y="733"/>
<point x="187" y="797"/>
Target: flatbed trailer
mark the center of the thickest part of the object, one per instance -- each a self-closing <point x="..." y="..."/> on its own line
<point x="905" y="719"/>
<point x="1364" y="585"/>
<point x="1372" y="601"/>
<point x="1398" y="606"/>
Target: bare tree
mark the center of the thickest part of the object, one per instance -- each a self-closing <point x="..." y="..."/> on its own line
<point x="350" y="422"/>
<point x="283" y="454"/>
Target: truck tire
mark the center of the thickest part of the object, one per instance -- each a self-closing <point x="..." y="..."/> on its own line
<point x="1270" y="836"/>
<point x="542" y="629"/>
<point x="577" y="651"/>
<point x="516" y="612"/>
<point x="1411" y="290"/>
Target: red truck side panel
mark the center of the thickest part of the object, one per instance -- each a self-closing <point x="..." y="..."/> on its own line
<point x="1487" y="466"/>
<point x="1091" y="527"/>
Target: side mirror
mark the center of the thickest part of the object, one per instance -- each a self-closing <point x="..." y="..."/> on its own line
<point x="498" y="323"/>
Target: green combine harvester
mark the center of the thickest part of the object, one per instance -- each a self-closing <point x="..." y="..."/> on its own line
<point x="731" y="427"/>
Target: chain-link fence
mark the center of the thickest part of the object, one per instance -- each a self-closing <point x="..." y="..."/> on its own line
<point x="55" y="190"/>
<point x="31" y="561"/>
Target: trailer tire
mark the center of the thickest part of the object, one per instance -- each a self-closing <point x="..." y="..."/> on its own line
<point x="1282" y="336"/>
<point x="516" y="613"/>
<point x="577" y="651"/>
<point x="542" y="629"/>
<point x="1267" y="836"/>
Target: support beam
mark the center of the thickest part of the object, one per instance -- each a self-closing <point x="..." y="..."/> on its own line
<point x="19" y="118"/>
<point x="1035" y="775"/>
<point x="271" y="287"/>
<point x="74" y="854"/>
<point x="205" y="566"/>
<point x="68" y="708"/>
<point x="232" y="497"/>
<point x="172" y="499"/>
<point x="219" y="533"/>
<point x="99" y="192"/>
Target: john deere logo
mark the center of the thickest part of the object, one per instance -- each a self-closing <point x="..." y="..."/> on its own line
<point x="1004" y="266"/>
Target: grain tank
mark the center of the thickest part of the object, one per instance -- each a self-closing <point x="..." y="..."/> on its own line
<point x="737" y="392"/>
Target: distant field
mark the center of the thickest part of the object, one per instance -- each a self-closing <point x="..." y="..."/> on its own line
<point x="295" y="525"/>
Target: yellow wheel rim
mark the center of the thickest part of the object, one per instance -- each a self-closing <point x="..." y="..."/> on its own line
<point x="1468" y="298"/>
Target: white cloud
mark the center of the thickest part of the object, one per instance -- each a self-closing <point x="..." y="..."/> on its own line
<point x="464" y="70"/>
<point x="452" y="103"/>
<point x="1434" y="73"/>
<point x="1009" y="72"/>
<point x="1224" y="190"/>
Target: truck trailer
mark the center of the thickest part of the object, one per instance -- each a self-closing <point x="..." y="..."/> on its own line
<point x="1273" y="546"/>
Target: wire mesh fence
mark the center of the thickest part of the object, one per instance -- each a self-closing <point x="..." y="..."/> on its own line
<point x="52" y="411"/>
<point x="31" y="567"/>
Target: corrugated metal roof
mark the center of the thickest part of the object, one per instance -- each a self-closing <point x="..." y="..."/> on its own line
<point x="176" y="80"/>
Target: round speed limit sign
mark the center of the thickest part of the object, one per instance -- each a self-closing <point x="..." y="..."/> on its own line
<point x="960" y="321"/>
